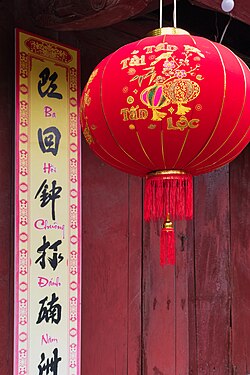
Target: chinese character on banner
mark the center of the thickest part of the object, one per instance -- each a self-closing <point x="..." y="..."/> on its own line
<point x="52" y="313"/>
<point x="47" y="195"/>
<point x="49" y="366"/>
<point x="48" y="80"/>
<point x="55" y="257"/>
<point x="49" y="140"/>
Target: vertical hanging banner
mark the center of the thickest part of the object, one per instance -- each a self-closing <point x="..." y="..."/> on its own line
<point x="48" y="208"/>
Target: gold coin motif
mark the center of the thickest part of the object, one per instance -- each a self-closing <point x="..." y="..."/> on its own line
<point x="130" y="99"/>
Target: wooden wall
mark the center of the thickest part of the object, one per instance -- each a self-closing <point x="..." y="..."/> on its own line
<point x="139" y="318"/>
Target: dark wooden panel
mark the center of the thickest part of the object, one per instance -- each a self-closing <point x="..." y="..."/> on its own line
<point x="111" y="269"/>
<point x="76" y="15"/>
<point x="240" y="11"/>
<point x="240" y="242"/>
<point x="212" y="256"/>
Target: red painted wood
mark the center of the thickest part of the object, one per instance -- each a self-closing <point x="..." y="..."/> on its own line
<point x="134" y="276"/>
<point x="191" y="299"/>
<point x="166" y="307"/>
<point x="184" y="288"/>
<point x="111" y="294"/>
<point x="6" y="194"/>
<point x="240" y="278"/>
<point x="212" y="255"/>
<point x="159" y="305"/>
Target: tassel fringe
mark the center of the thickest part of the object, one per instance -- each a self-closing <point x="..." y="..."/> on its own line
<point x="168" y="194"/>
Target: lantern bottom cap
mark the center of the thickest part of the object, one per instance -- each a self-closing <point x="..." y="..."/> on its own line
<point x="167" y="172"/>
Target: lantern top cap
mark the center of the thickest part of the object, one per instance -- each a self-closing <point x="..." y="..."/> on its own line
<point x="168" y="31"/>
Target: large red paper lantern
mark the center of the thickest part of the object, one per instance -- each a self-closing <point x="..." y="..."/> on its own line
<point x="168" y="107"/>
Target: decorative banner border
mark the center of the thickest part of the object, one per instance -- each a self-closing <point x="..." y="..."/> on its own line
<point x="48" y="208"/>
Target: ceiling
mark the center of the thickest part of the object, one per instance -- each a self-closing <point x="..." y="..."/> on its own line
<point x="112" y="23"/>
<point x="241" y="10"/>
<point x="89" y="14"/>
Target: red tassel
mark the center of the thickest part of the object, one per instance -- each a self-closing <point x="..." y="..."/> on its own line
<point x="168" y="192"/>
<point x="167" y="243"/>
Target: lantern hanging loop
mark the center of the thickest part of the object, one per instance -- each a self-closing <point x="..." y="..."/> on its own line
<point x="174" y="15"/>
<point x="160" y="23"/>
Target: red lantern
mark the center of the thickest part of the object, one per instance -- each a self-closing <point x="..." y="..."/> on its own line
<point x="168" y="107"/>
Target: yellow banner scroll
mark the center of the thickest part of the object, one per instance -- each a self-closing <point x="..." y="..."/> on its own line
<point x="48" y="208"/>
